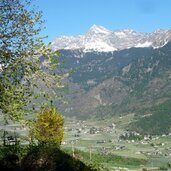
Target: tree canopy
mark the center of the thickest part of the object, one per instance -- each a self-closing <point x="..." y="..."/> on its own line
<point x="25" y="78"/>
<point x="48" y="127"/>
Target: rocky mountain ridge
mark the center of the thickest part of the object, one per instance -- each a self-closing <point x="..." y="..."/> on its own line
<point x="99" y="39"/>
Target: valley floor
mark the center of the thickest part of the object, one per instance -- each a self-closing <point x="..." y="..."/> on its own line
<point x="99" y="141"/>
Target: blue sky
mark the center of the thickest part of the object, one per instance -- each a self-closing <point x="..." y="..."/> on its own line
<point x="74" y="17"/>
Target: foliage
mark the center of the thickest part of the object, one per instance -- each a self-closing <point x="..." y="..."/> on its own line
<point x="19" y="150"/>
<point x="163" y="168"/>
<point x="23" y="76"/>
<point x="51" y="158"/>
<point x="39" y="158"/>
<point x="48" y="127"/>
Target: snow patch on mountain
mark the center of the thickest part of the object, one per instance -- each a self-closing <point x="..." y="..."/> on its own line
<point x="120" y="34"/>
<point x="99" y="46"/>
<point x="145" y="44"/>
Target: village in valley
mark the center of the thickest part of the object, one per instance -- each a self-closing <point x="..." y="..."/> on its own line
<point x="107" y="137"/>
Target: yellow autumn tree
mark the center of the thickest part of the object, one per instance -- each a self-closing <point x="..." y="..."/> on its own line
<point x="48" y="127"/>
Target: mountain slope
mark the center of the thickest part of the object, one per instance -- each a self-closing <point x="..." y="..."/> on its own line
<point x="133" y="80"/>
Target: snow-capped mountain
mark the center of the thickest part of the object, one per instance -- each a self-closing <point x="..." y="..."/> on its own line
<point x="115" y="74"/>
<point x="100" y="39"/>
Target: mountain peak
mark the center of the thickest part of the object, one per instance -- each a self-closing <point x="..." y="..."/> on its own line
<point x="98" y="29"/>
